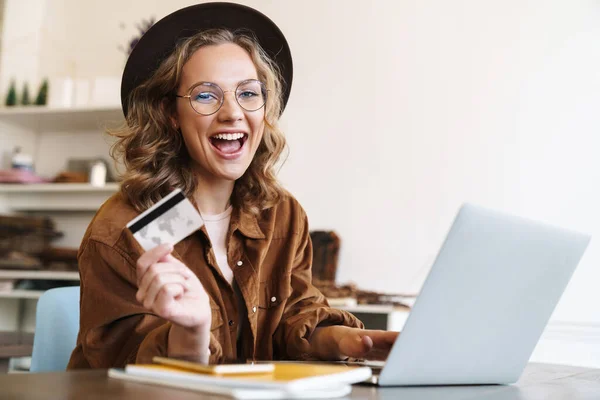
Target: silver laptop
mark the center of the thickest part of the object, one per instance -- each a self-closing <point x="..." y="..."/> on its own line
<point x="485" y="303"/>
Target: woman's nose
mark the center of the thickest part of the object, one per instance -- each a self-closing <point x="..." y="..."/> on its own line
<point x="230" y="110"/>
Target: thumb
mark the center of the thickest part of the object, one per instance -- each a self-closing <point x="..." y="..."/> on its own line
<point x="168" y="258"/>
<point x="152" y="256"/>
<point x="157" y="253"/>
<point x="356" y="346"/>
<point x="367" y="343"/>
<point x="164" y="252"/>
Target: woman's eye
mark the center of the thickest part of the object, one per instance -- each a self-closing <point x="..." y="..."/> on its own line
<point x="248" y="93"/>
<point x="205" y="96"/>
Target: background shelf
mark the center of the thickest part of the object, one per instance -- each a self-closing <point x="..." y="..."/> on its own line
<point x="44" y="119"/>
<point x="50" y="275"/>
<point x="55" y="196"/>
<point x="21" y="294"/>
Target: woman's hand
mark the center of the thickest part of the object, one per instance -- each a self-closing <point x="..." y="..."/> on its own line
<point x="339" y="342"/>
<point x="170" y="290"/>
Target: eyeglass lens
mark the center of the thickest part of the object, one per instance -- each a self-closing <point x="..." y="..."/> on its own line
<point x="207" y="98"/>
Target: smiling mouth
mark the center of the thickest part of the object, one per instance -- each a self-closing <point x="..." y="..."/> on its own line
<point x="229" y="143"/>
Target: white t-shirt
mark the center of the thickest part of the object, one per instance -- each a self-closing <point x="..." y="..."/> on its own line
<point x="217" y="227"/>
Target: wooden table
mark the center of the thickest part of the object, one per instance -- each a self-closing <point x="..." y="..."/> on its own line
<point x="539" y="381"/>
<point x="14" y="344"/>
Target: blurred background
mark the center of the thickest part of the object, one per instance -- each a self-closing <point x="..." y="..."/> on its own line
<point x="400" y="111"/>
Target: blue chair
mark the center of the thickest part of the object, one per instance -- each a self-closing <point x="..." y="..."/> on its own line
<point x="56" y="327"/>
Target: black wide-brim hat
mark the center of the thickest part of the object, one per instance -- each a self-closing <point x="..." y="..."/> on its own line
<point x="160" y="40"/>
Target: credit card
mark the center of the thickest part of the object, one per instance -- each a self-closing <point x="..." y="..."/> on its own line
<point x="170" y="220"/>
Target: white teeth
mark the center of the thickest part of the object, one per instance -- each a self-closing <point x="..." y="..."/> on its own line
<point x="229" y="136"/>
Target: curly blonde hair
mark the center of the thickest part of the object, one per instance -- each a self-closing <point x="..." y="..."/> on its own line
<point x="153" y="153"/>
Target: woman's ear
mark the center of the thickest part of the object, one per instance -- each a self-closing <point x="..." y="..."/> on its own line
<point x="174" y="122"/>
<point x="172" y="113"/>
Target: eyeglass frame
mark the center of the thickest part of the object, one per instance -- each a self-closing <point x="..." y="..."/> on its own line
<point x="189" y="95"/>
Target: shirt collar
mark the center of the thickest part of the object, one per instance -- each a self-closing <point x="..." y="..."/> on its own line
<point x="246" y="223"/>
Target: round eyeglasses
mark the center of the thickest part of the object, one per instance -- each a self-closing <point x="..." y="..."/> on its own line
<point x="206" y="98"/>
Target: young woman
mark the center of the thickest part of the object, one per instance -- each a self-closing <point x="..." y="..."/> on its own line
<point x="202" y="102"/>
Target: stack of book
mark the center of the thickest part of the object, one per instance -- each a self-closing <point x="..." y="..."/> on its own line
<point x="278" y="380"/>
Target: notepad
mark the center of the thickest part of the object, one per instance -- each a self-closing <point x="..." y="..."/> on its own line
<point x="286" y="380"/>
<point x="217" y="369"/>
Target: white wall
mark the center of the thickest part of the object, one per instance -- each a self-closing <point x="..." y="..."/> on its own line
<point x="402" y="110"/>
<point x="19" y="56"/>
<point x="21" y="44"/>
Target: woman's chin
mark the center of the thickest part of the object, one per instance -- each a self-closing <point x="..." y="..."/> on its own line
<point x="231" y="174"/>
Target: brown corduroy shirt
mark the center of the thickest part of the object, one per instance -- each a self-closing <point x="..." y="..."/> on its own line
<point x="270" y="255"/>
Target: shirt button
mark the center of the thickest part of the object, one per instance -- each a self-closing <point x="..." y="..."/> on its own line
<point x="273" y="299"/>
<point x="230" y="322"/>
<point x="254" y="309"/>
<point x="240" y="263"/>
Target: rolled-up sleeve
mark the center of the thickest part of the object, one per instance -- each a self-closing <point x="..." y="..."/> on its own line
<point x="115" y="329"/>
<point x="306" y="308"/>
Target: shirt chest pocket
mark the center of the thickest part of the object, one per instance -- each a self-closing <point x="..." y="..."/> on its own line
<point x="274" y="294"/>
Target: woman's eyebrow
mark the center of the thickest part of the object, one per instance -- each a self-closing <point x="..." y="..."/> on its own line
<point x="198" y="83"/>
<point x="213" y="83"/>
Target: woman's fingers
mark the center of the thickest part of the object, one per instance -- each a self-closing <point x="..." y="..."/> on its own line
<point x="355" y="345"/>
<point x="169" y="258"/>
<point x="381" y="343"/>
<point x="157" y="269"/>
<point x="174" y="283"/>
<point x="369" y="344"/>
<point x="171" y="290"/>
<point x="164" y="304"/>
<point x="381" y="338"/>
<point x="150" y="257"/>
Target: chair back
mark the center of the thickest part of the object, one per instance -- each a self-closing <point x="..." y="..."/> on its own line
<point x="56" y="328"/>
